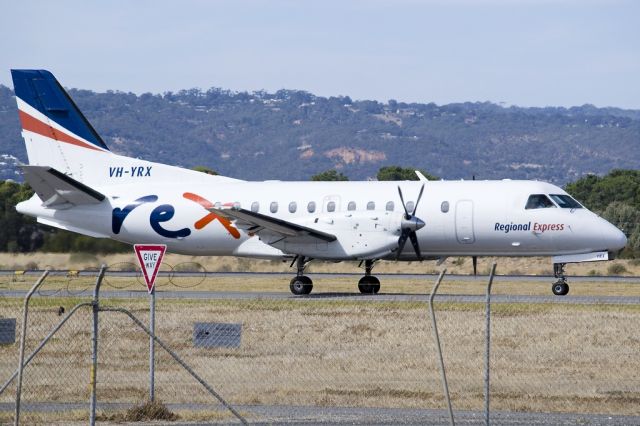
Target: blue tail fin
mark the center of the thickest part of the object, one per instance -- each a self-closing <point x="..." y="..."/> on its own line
<point x="40" y="91"/>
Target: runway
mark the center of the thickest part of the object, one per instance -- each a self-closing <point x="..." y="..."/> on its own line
<point x="319" y="296"/>
<point x="321" y="275"/>
<point x="305" y="415"/>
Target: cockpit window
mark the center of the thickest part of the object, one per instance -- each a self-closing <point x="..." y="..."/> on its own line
<point x="538" y="201"/>
<point x="565" y="201"/>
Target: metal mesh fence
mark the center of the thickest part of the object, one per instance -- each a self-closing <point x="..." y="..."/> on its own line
<point x="331" y="350"/>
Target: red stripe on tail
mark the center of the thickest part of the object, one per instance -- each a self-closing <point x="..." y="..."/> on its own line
<point x="34" y="125"/>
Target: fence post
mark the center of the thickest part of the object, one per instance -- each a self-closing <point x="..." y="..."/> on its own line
<point x="23" y="340"/>
<point x="436" y="337"/>
<point x="94" y="348"/>
<point x="152" y="344"/>
<point x="487" y="351"/>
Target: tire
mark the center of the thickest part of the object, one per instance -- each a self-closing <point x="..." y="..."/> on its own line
<point x="369" y="284"/>
<point x="560" y="289"/>
<point x="301" y="285"/>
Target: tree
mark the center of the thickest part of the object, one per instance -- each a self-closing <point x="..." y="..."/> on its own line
<point x="18" y="233"/>
<point x="329" y="175"/>
<point x="627" y="219"/>
<point x="400" y="173"/>
<point x="596" y="193"/>
<point x="205" y="169"/>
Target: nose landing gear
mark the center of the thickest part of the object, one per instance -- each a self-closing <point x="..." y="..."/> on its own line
<point x="560" y="287"/>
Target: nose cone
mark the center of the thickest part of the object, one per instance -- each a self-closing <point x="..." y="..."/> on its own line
<point x="413" y="223"/>
<point x="614" y="238"/>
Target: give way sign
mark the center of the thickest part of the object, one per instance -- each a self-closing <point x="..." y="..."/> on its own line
<point x="150" y="257"/>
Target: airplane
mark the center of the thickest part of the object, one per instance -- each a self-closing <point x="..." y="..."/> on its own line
<point x="82" y="186"/>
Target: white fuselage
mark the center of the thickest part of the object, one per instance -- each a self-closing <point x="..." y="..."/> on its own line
<point x="463" y="218"/>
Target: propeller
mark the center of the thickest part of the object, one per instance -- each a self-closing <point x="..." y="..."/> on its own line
<point x="475" y="265"/>
<point x="409" y="225"/>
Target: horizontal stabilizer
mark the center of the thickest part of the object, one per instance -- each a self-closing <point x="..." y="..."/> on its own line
<point x="56" y="189"/>
<point x="255" y="222"/>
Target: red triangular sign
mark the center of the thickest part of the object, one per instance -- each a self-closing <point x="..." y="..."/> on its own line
<point x="150" y="257"/>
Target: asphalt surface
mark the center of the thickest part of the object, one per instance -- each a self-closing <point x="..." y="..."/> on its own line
<point x="321" y="275"/>
<point x="365" y="298"/>
<point x="305" y="415"/>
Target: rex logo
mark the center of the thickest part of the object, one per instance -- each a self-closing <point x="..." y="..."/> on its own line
<point x="165" y="212"/>
<point x="210" y="217"/>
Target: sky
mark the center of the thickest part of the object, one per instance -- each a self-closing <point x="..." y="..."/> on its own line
<point x="526" y="53"/>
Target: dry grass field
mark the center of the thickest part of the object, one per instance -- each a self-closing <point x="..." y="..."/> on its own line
<point x="527" y="266"/>
<point x="333" y="352"/>
<point x="574" y="358"/>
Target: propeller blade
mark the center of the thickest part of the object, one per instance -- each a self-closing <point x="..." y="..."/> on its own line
<point x="416" y="246"/>
<point x="406" y="213"/>
<point x="415" y="207"/>
<point x="475" y="265"/>
<point x="401" y="242"/>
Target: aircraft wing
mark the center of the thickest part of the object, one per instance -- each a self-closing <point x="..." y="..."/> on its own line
<point x="257" y="223"/>
<point x="56" y="189"/>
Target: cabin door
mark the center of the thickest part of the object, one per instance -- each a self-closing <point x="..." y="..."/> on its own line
<point x="464" y="222"/>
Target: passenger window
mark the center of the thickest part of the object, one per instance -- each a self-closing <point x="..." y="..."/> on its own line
<point x="293" y="206"/>
<point x="351" y="206"/>
<point x="273" y="207"/>
<point x="410" y="206"/>
<point x="538" y="201"/>
<point x="444" y="207"/>
<point x="255" y="207"/>
<point x="565" y="201"/>
<point x="389" y="206"/>
<point x="331" y="206"/>
<point x="311" y="207"/>
<point x="371" y="205"/>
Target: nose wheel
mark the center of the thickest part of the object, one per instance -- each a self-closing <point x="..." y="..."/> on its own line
<point x="560" y="287"/>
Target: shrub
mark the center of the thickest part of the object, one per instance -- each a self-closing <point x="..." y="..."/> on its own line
<point x="616" y="269"/>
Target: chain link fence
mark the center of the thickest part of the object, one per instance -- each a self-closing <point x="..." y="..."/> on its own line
<point x="276" y="357"/>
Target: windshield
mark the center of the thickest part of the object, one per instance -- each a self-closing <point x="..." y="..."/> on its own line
<point x="565" y="201"/>
<point x="538" y="201"/>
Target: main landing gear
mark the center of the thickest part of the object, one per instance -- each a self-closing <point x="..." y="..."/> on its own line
<point x="368" y="284"/>
<point x="560" y="287"/>
<point x="300" y="284"/>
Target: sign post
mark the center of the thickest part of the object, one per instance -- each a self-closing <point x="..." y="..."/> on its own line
<point x="150" y="258"/>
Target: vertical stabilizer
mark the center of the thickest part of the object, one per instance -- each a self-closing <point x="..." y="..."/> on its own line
<point x="56" y="133"/>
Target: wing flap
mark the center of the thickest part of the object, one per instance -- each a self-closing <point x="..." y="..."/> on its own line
<point x="56" y="189"/>
<point x="256" y="223"/>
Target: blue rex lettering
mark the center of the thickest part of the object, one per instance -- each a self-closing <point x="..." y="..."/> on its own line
<point x="162" y="213"/>
<point x="118" y="215"/>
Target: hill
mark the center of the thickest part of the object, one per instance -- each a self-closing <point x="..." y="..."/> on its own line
<point x="294" y="135"/>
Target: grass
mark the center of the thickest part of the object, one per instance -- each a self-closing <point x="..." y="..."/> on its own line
<point x="330" y="351"/>
<point x="545" y="357"/>
<point x="147" y="411"/>
<point x="527" y="266"/>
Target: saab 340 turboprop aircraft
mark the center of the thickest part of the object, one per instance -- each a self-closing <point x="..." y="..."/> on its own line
<point x="83" y="187"/>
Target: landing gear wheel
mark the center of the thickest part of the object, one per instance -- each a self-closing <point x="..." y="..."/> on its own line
<point x="369" y="285"/>
<point x="560" y="288"/>
<point x="301" y="285"/>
